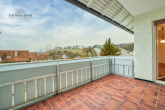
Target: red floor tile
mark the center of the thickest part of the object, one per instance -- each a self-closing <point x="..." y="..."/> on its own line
<point x="142" y="106"/>
<point x="45" y="102"/>
<point x="48" y="107"/>
<point x="108" y="93"/>
<point x="39" y="105"/>
<point x="54" y="105"/>
<point x="129" y="104"/>
<point x="71" y="106"/>
<point x="32" y="107"/>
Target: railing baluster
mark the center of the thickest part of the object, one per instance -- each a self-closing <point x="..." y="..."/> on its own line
<point x="77" y="76"/>
<point x="118" y="69"/>
<point x="53" y="83"/>
<point x="72" y="78"/>
<point x="132" y="68"/>
<point x="123" y="69"/>
<point x="60" y="81"/>
<point x="114" y="65"/>
<point x="58" y="84"/>
<point x="66" y="79"/>
<point x="92" y="69"/>
<point x="81" y="75"/>
<point x="86" y="73"/>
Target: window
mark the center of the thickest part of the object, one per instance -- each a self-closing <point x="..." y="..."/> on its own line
<point x="15" y="53"/>
<point x="8" y="56"/>
<point x="0" y="59"/>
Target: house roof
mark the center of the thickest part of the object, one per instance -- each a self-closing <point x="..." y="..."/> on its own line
<point x="1" y="54"/>
<point x="109" y="10"/>
<point x="98" y="46"/>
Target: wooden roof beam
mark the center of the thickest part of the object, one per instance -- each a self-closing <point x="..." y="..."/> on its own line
<point x="122" y="9"/>
<point x="125" y="18"/>
<point x="129" y="24"/>
<point x="89" y="4"/>
<point x="108" y="6"/>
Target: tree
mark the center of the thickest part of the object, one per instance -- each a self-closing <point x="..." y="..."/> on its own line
<point x="89" y="51"/>
<point x="110" y="49"/>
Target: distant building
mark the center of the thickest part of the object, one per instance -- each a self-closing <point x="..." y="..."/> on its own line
<point x="42" y="57"/>
<point x="69" y="47"/>
<point x="33" y="56"/>
<point x="58" y="48"/>
<point x="14" y="56"/>
<point x="65" y="56"/>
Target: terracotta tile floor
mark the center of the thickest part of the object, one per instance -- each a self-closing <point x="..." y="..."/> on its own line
<point x="109" y="93"/>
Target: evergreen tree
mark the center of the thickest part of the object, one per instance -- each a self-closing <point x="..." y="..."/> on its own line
<point x="110" y="49"/>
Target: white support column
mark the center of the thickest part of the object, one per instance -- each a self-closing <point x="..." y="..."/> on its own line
<point x="108" y="6"/>
<point x="90" y="3"/>
<point x="122" y="9"/>
<point x="129" y="24"/>
<point x="125" y="18"/>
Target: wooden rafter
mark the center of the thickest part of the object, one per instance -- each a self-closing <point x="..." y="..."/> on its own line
<point x="121" y="10"/>
<point x="89" y="4"/>
<point x="108" y="6"/>
<point x="129" y="24"/>
<point x="125" y="18"/>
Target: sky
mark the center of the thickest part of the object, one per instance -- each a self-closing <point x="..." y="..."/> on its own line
<point x="55" y="23"/>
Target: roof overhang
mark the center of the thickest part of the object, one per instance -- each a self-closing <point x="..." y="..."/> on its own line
<point x="118" y="12"/>
<point x="137" y="7"/>
<point x="110" y="11"/>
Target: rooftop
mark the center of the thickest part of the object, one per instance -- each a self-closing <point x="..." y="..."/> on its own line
<point x="109" y="93"/>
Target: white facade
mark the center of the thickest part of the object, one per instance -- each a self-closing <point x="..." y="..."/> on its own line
<point x="98" y="50"/>
<point x="64" y="56"/>
<point x="143" y="31"/>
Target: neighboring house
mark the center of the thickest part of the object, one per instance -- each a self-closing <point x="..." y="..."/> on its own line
<point x="125" y="53"/>
<point x="58" y="48"/>
<point x="69" y="47"/>
<point x="76" y="47"/>
<point x="65" y="56"/>
<point x="42" y="57"/>
<point x="14" y="56"/>
<point x="98" y="48"/>
<point x="1" y="56"/>
<point x="33" y="56"/>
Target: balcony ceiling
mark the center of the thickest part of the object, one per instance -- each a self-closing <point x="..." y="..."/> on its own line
<point x="109" y="10"/>
<point x="118" y="12"/>
<point x="137" y="7"/>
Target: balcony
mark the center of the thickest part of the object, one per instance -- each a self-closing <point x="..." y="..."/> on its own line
<point x="25" y="84"/>
<point x="108" y="93"/>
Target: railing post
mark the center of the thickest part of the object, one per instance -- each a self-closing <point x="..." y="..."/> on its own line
<point x="58" y="77"/>
<point x="92" y="69"/>
<point x="109" y="65"/>
<point x="114" y="66"/>
<point x="132" y="68"/>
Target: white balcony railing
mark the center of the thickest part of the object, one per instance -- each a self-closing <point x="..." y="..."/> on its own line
<point x="27" y="83"/>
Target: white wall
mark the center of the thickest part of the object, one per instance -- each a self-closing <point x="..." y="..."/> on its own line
<point x="98" y="50"/>
<point x="143" y="42"/>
